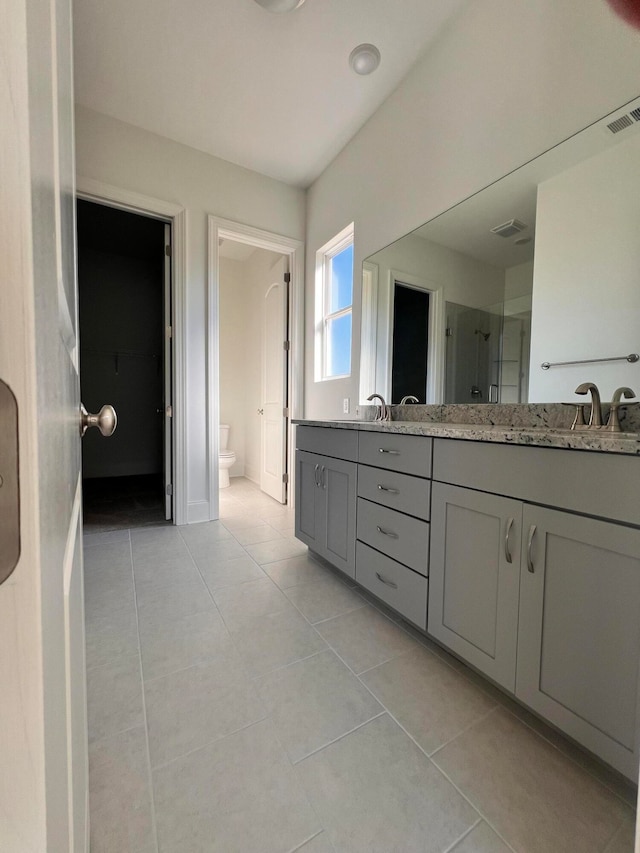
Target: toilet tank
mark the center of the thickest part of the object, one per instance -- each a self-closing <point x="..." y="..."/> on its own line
<point x="224" y="436"/>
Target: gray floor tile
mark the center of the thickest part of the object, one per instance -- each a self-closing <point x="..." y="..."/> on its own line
<point x="319" y="844"/>
<point x="205" y="533"/>
<point x="114" y="697"/>
<point x="315" y="701"/>
<point x="260" y="533"/>
<point x="269" y="552"/>
<point x="624" y="839"/>
<point x="428" y="698"/>
<point x="249" y="601"/>
<point x="180" y="643"/>
<point x="375" y="791"/>
<point x="140" y="535"/>
<point x="120" y="794"/>
<point x="324" y="599"/>
<point x="365" y="638"/>
<point x="277" y="640"/>
<point x="535" y="797"/>
<point x="89" y="540"/>
<point x="164" y="569"/>
<point x="238" y="795"/>
<point x="295" y="571"/>
<point x="111" y="636"/>
<point x="481" y="839"/>
<point x="192" y="707"/>
<point x="230" y="572"/>
<point x="210" y="554"/>
<point x="158" y="605"/>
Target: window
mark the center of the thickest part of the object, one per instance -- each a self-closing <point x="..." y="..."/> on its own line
<point x="334" y="298"/>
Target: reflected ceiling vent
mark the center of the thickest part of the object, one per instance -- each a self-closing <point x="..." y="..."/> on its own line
<point x="508" y="229"/>
<point x="621" y="123"/>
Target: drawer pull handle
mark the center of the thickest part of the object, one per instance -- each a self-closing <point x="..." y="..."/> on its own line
<point x="532" y="533"/>
<point x="315" y="475"/>
<point x="323" y="482"/>
<point x="386" y="532"/>
<point x="507" y="552"/>
<point x="385" y="581"/>
<point x="386" y="489"/>
<point x="390" y="452"/>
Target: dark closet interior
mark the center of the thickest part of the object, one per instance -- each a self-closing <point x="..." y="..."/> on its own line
<point x="410" y="343"/>
<point x="121" y="320"/>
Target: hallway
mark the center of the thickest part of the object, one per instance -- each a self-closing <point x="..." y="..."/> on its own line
<point x="244" y="698"/>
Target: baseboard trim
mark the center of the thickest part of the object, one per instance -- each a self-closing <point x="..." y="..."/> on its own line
<point x="197" y="511"/>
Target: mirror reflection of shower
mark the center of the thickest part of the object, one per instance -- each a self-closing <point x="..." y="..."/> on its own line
<point x="487" y="353"/>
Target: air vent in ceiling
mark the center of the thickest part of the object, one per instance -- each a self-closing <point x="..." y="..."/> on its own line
<point x="636" y="113"/>
<point x="508" y="229"/>
<point x="619" y="124"/>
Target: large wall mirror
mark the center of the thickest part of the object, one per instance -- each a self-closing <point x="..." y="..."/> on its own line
<point x="541" y="267"/>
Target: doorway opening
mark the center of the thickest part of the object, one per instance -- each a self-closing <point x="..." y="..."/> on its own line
<point x="409" y="374"/>
<point x="124" y="285"/>
<point x="253" y="366"/>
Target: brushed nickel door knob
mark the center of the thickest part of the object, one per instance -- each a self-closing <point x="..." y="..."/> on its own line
<point x="106" y="420"/>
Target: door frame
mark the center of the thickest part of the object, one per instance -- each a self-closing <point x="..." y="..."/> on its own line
<point x="226" y="229"/>
<point x="89" y="189"/>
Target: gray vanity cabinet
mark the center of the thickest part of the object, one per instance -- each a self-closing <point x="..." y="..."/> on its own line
<point x="579" y="630"/>
<point x="475" y="578"/>
<point x="326" y="508"/>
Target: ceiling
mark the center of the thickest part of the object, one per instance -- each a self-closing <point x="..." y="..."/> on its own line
<point x="273" y="93"/>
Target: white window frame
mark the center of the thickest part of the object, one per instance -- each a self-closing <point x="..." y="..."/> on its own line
<point x="324" y="256"/>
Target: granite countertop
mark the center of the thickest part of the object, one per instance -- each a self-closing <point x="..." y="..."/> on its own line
<point x="534" y="436"/>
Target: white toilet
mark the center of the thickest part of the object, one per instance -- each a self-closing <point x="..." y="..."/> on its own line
<point x="226" y="457"/>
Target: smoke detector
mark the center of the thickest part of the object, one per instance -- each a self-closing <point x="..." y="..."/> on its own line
<point x="508" y="229"/>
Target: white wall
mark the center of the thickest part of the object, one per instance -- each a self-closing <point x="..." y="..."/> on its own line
<point x="504" y="82"/>
<point x="130" y="158"/>
<point x="518" y="281"/>
<point x="586" y="289"/>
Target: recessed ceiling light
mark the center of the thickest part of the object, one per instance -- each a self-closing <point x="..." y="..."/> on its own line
<point x="364" y="58"/>
<point x="280" y="5"/>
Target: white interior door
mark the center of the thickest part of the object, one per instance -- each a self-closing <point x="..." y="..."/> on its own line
<point x="168" y="372"/>
<point x="43" y="737"/>
<point x="274" y="384"/>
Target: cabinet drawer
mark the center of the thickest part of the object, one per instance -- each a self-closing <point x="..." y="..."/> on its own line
<point x="397" y="491"/>
<point x="338" y="443"/>
<point x="404" y="538"/>
<point x="392" y="583"/>
<point x="409" y="454"/>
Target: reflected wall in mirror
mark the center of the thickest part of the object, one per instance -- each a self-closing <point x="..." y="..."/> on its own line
<point x="541" y="266"/>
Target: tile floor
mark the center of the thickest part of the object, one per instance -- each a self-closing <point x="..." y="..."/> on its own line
<point x="244" y="698"/>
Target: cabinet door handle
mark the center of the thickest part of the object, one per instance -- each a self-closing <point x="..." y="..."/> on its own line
<point x="390" y="452"/>
<point x="386" y="532"/>
<point x="385" y="581"/>
<point x="387" y="489"/>
<point x="532" y="533"/>
<point x="322" y="480"/>
<point x="315" y="475"/>
<point x="507" y="552"/>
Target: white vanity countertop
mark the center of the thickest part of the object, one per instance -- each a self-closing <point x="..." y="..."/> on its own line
<point x="601" y="441"/>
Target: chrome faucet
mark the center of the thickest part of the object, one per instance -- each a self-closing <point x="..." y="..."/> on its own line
<point x="595" y="416"/>
<point x="382" y="413"/>
<point x="613" y="424"/>
<point x="409" y="399"/>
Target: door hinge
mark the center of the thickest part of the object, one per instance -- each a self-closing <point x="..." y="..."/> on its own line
<point x="285" y="412"/>
<point x="285" y="479"/>
<point x="286" y="345"/>
<point x="167" y="250"/>
<point x="169" y="411"/>
<point x="169" y="331"/>
<point x="448" y="332"/>
<point x="287" y="277"/>
<point x="169" y="488"/>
